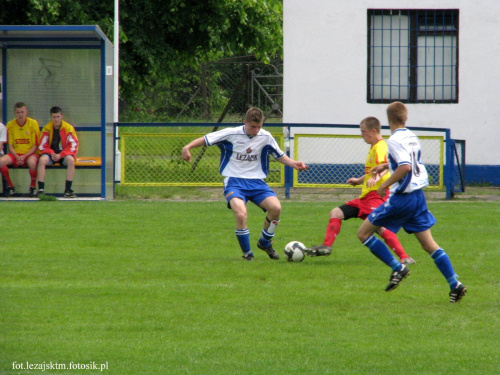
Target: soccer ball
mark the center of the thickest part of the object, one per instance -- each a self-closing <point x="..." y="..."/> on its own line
<point x="294" y="251"/>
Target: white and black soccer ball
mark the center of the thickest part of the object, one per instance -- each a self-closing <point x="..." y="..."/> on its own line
<point x="294" y="251"/>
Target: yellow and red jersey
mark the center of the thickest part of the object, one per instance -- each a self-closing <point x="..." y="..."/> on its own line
<point x="376" y="156"/>
<point x="23" y="138"/>
<point x="69" y="139"/>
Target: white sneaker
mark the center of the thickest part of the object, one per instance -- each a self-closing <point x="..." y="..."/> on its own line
<point x="408" y="261"/>
<point x="318" y="250"/>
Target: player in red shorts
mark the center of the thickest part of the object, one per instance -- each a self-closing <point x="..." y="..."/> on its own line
<point x="368" y="200"/>
<point x="22" y="144"/>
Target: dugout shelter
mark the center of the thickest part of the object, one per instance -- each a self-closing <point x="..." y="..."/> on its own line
<point x="70" y="67"/>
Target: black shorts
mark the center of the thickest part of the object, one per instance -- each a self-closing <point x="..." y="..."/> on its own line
<point x="349" y="211"/>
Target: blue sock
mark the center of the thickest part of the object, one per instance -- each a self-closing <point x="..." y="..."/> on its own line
<point x="443" y="263"/>
<point x="381" y="251"/>
<point x="265" y="239"/>
<point x="243" y="236"/>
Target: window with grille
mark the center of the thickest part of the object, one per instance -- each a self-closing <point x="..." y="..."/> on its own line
<point x="413" y="56"/>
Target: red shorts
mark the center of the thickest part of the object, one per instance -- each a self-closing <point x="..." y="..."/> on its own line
<point x="14" y="160"/>
<point x="367" y="204"/>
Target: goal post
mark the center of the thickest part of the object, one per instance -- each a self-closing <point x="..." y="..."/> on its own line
<point x="336" y="153"/>
<point x="153" y="158"/>
<point x="333" y="159"/>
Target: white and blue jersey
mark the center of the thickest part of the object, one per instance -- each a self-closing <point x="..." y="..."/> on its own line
<point x="244" y="156"/>
<point x="406" y="206"/>
<point x="404" y="149"/>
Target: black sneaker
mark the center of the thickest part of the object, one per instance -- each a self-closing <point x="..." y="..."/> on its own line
<point x="396" y="278"/>
<point x="33" y="193"/>
<point x="318" y="250"/>
<point x="9" y="192"/>
<point x="457" y="293"/>
<point x="273" y="254"/>
<point x="68" y="193"/>
<point x="41" y="192"/>
<point x="248" y="257"/>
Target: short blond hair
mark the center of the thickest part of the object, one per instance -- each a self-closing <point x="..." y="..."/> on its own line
<point x="397" y="113"/>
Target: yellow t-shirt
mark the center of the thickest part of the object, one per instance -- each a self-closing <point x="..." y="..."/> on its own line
<point x="376" y="156"/>
<point x="22" y="138"/>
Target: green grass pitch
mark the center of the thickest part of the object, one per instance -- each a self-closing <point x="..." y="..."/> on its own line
<point x="160" y="288"/>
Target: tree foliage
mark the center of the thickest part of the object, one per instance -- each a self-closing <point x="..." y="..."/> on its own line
<point x="158" y="37"/>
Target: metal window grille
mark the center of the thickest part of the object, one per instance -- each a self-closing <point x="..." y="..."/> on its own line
<point x="413" y="56"/>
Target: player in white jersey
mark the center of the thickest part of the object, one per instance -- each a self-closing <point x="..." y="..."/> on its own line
<point x="404" y="149"/>
<point x="406" y="206"/>
<point x="244" y="163"/>
<point x="3" y="137"/>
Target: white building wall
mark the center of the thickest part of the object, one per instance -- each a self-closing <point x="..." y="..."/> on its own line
<point x="325" y="71"/>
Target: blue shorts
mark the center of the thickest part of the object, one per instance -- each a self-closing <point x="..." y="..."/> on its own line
<point x="407" y="210"/>
<point x="253" y="190"/>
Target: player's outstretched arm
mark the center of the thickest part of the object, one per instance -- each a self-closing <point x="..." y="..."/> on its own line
<point x="298" y="165"/>
<point x="186" y="153"/>
<point x="355" y="180"/>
